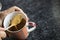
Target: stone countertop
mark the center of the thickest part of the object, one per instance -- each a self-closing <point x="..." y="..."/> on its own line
<point x="43" y="12"/>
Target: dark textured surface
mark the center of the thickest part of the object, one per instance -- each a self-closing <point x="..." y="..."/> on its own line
<point x="44" y="13"/>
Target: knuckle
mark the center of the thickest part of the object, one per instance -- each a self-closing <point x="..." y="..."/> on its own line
<point x="2" y="34"/>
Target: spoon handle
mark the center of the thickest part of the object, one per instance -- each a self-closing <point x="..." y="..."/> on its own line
<point x="9" y="27"/>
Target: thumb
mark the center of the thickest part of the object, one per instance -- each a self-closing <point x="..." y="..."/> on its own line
<point x="2" y="34"/>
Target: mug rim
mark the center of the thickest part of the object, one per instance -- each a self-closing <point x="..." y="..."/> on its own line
<point x="23" y="26"/>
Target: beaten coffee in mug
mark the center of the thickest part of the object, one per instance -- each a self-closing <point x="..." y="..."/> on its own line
<point x="18" y="26"/>
<point x="21" y="30"/>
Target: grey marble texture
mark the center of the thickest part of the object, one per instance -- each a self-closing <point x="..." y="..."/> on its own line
<point x="46" y="14"/>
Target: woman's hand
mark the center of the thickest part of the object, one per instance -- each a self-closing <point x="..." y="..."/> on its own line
<point x="2" y="33"/>
<point x="2" y="16"/>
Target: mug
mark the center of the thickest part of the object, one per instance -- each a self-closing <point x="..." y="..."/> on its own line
<point x="24" y="31"/>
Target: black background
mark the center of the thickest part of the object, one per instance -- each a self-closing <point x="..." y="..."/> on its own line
<point x="44" y="12"/>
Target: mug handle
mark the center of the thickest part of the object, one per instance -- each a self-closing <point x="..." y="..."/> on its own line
<point x="33" y="26"/>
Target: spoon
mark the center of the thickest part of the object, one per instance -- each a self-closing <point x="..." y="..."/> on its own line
<point x="16" y="20"/>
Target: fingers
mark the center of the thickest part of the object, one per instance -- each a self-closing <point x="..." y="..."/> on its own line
<point x="0" y="38"/>
<point x="12" y="9"/>
<point x="2" y="29"/>
<point x="2" y="34"/>
<point x="15" y="8"/>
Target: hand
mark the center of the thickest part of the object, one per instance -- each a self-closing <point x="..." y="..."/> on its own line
<point x="3" y="14"/>
<point x="2" y="33"/>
